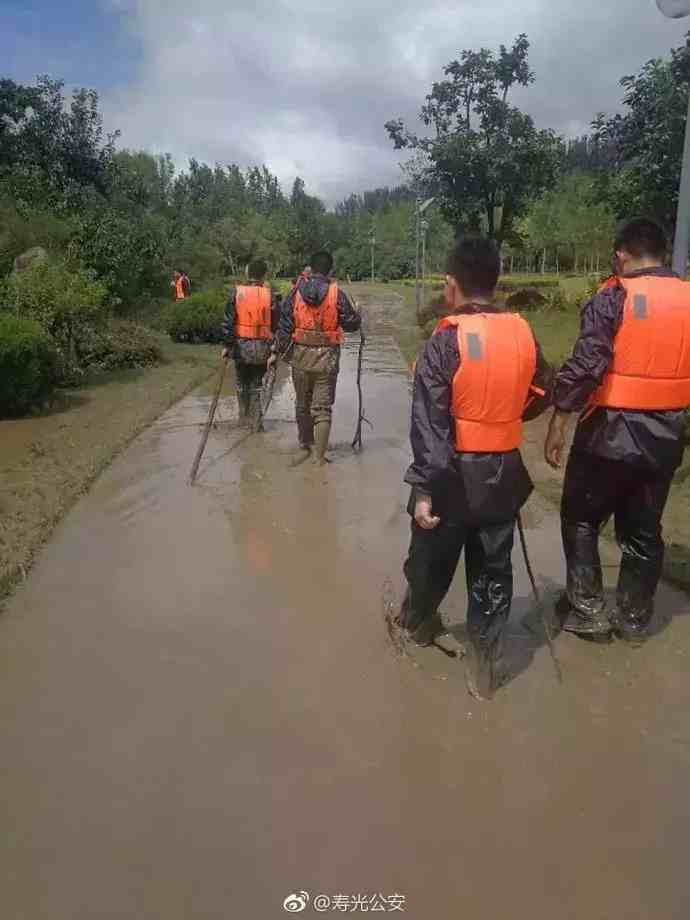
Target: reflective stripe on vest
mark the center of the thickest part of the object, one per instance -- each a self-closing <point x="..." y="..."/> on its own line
<point x="317" y="325"/>
<point x="253" y="312"/>
<point x="498" y="359"/>
<point x="179" y="289"/>
<point x="651" y="352"/>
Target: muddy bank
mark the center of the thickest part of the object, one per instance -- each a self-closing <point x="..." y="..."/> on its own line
<point x="46" y="462"/>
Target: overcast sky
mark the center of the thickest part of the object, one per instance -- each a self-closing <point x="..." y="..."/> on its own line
<point x="305" y="86"/>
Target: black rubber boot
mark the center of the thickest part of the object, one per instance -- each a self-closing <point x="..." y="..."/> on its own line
<point x="631" y="625"/>
<point x="596" y="628"/>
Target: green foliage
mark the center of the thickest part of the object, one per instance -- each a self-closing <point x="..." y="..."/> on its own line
<point x="510" y="283"/>
<point x="572" y="219"/>
<point x="198" y="318"/>
<point x="22" y="229"/>
<point x="52" y="150"/>
<point x="61" y="298"/>
<point x="120" y="344"/>
<point x="486" y="158"/>
<point x="28" y="365"/>
<point x="647" y="139"/>
<point x="129" y="256"/>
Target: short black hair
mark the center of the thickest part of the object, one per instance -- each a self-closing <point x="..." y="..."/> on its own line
<point x="258" y="269"/>
<point x="322" y="262"/>
<point x="475" y="263"/>
<point x="642" y="238"/>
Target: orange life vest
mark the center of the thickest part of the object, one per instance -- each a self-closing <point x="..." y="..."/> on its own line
<point x="317" y="325"/>
<point x="179" y="289"/>
<point x="498" y="359"/>
<point x="253" y="312"/>
<point x="651" y="352"/>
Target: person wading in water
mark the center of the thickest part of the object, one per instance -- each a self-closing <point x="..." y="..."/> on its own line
<point x="629" y="377"/>
<point x="251" y="318"/>
<point x="479" y="375"/>
<point x="310" y="333"/>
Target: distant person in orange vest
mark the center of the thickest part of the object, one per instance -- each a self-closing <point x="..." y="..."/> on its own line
<point x="251" y="318"/>
<point x="477" y="378"/>
<point x="178" y="286"/>
<point x="312" y="320"/>
<point x="629" y="378"/>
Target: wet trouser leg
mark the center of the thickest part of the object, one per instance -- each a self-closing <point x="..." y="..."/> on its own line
<point x="249" y="380"/>
<point x="489" y="571"/>
<point x="595" y="489"/>
<point x="304" y="381"/>
<point x="322" y="410"/>
<point x="431" y="562"/>
<point x="589" y="499"/>
<point x="638" y="530"/>
<point x="243" y="377"/>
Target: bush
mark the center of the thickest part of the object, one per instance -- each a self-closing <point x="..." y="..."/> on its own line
<point x="198" y="318"/>
<point x="509" y="284"/>
<point x="28" y="365"/>
<point x="526" y="299"/>
<point x="67" y="302"/>
<point x="121" y="344"/>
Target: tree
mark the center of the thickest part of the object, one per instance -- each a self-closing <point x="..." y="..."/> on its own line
<point x="647" y="139"/>
<point x="571" y="219"/>
<point x="49" y="149"/>
<point x="486" y="157"/>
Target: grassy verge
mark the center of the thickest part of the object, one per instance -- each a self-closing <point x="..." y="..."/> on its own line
<point x="49" y="460"/>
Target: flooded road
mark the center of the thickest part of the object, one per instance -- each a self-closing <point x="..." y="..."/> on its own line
<point x="201" y="713"/>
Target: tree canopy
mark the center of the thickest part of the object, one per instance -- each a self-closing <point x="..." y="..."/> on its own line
<point x="486" y="158"/>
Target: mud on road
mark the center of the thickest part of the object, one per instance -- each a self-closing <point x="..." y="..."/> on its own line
<point x="201" y="712"/>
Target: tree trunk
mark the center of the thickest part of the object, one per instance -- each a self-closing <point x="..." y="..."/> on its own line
<point x="543" y="262"/>
<point x="512" y="260"/>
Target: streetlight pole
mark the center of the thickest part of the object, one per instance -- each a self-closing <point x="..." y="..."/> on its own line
<point x="372" y="239"/>
<point x="424" y="228"/>
<point x="420" y="208"/>
<point x="677" y="9"/>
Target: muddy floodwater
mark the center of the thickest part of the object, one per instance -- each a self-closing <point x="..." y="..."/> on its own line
<point x="201" y="713"/>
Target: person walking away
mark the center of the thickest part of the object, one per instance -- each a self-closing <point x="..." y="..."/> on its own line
<point x="310" y="333"/>
<point x="629" y="377"/>
<point x="477" y="378"/>
<point x="251" y="318"/>
<point x="178" y="287"/>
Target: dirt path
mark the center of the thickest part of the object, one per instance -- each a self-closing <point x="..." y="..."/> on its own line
<point x="201" y="712"/>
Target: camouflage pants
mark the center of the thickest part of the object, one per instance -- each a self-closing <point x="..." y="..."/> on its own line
<point x="315" y="397"/>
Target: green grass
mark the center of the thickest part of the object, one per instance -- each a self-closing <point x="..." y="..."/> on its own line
<point x="556" y="332"/>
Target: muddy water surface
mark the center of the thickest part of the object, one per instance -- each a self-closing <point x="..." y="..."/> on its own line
<point x="201" y="713"/>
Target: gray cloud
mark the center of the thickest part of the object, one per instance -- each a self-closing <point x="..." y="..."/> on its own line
<point x="306" y="86"/>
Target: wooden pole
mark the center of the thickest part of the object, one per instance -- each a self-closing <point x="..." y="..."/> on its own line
<point x="209" y="423"/>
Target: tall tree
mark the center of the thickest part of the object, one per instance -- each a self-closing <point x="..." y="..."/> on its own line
<point x="647" y="139"/>
<point x="486" y="158"/>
